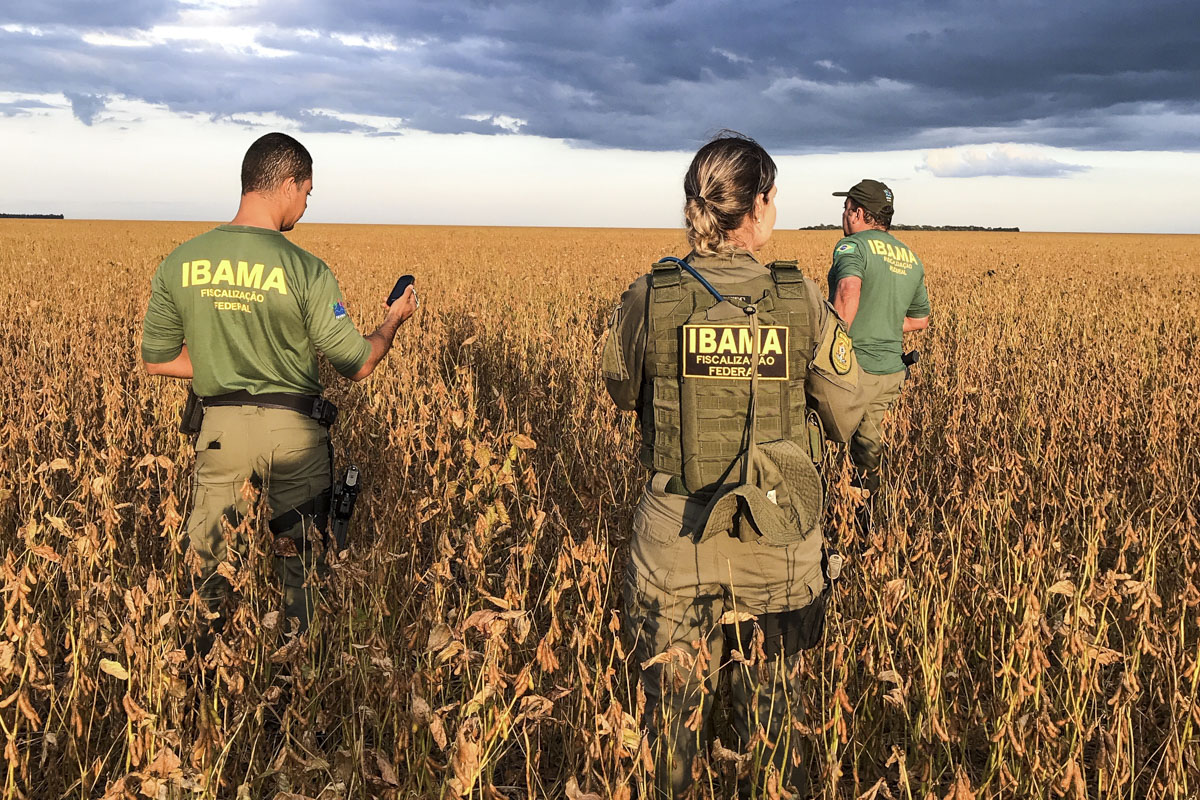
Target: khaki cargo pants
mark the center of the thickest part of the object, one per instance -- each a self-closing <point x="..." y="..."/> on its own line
<point x="285" y="453"/>
<point x="675" y="594"/>
<point x="866" y="446"/>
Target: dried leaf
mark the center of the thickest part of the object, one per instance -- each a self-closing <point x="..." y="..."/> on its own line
<point x="387" y="773"/>
<point x="437" y="729"/>
<point x="574" y="792"/>
<point x="45" y="551"/>
<point x="535" y="706"/>
<point x="114" y="668"/>
<point x="465" y="761"/>
<point x="439" y="637"/>
<point x="165" y="764"/>
<point x="890" y="676"/>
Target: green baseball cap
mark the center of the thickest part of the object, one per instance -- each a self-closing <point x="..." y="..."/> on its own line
<point x="871" y="195"/>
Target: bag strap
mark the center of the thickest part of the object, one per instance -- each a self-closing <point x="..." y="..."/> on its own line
<point x="751" y="458"/>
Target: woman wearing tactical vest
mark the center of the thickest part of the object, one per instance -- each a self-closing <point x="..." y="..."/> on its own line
<point x="737" y="371"/>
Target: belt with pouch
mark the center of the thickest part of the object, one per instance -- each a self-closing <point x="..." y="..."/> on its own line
<point x="312" y="406"/>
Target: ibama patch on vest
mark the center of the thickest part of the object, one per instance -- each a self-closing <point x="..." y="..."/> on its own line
<point x="727" y="352"/>
<point x="839" y="352"/>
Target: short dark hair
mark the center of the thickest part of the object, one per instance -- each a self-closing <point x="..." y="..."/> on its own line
<point x="272" y="160"/>
<point x="882" y="220"/>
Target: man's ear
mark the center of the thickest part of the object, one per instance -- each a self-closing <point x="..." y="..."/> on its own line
<point x="288" y="187"/>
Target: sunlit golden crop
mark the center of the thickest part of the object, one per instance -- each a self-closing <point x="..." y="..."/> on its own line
<point x="1024" y="622"/>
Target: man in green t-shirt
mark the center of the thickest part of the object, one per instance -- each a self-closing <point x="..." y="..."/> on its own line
<point x="243" y="312"/>
<point x="877" y="286"/>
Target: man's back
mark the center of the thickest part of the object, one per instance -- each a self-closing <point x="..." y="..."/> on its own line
<point x="893" y="287"/>
<point x="254" y="310"/>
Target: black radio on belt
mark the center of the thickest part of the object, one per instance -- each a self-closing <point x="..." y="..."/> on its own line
<point x="324" y="412"/>
<point x="344" y="497"/>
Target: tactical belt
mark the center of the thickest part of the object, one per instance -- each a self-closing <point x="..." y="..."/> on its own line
<point x="313" y="407"/>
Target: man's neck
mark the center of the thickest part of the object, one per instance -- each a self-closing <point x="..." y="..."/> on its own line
<point x="257" y="211"/>
<point x="860" y="228"/>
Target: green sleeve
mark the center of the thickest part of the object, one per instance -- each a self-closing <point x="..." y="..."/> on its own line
<point x="848" y="261"/>
<point x="919" y="307"/>
<point x="625" y="347"/>
<point x="162" y="328"/>
<point x="330" y="328"/>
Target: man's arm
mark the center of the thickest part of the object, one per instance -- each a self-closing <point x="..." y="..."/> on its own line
<point x="845" y="298"/>
<point x="382" y="337"/>
<point x="917" y="316"/>
<point x="178" y="367"/>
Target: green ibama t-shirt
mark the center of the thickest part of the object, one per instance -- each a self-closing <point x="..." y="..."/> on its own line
<point x="893" y="287"/>
<point x="254" y="310"/>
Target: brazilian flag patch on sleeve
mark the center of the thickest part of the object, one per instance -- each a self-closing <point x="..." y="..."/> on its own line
<point x="839" y="352"/>
<point x="848" y="247"/>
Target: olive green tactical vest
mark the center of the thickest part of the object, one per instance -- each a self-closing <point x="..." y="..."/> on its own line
<point x="696" y="396"/>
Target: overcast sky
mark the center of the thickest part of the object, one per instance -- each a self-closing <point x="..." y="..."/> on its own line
<point x="1047" y="115"/>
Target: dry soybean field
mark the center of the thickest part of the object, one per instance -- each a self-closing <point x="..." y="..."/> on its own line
<point x="1024" y="622"/>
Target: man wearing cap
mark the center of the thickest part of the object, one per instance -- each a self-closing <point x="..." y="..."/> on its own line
<point x="877" y="286"/>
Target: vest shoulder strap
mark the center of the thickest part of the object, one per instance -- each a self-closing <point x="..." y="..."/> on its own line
<point x="789" y="280"/>
<point x="666" y="282"/>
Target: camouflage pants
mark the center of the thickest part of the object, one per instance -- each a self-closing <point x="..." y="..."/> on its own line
<point x="866" y="447"/>
<point x="288" y="456"/>
<point x="676" y="592"/>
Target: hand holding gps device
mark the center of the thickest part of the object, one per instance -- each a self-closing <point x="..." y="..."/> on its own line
<point x="402" y="284"/>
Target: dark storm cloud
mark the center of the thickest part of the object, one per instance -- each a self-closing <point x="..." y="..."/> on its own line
<point x="85" y="107"/>
<point x="1105" y="74"/>
<point x="119" y="14"/>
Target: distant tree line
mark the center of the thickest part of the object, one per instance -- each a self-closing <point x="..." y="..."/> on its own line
<point x="919" y="228"/>
<point x="31" y="216"/>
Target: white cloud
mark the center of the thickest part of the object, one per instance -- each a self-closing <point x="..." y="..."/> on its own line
<point x="34" y="97"/>
<point x="230" y="38"/>
<point x="385" y="43"/>
<point x="859" y="90"/>
<point x="107" y="39"/>
<point x="378" y="123"/>
<point x="829" y="65"/>
<point x="1002" y="159"/>
<point x="732" y="57"/>
<point x="26" y="29"/>
<point x="503" y="121"/>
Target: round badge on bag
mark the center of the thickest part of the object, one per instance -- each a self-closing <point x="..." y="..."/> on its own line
<point x="839" y="353"/>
